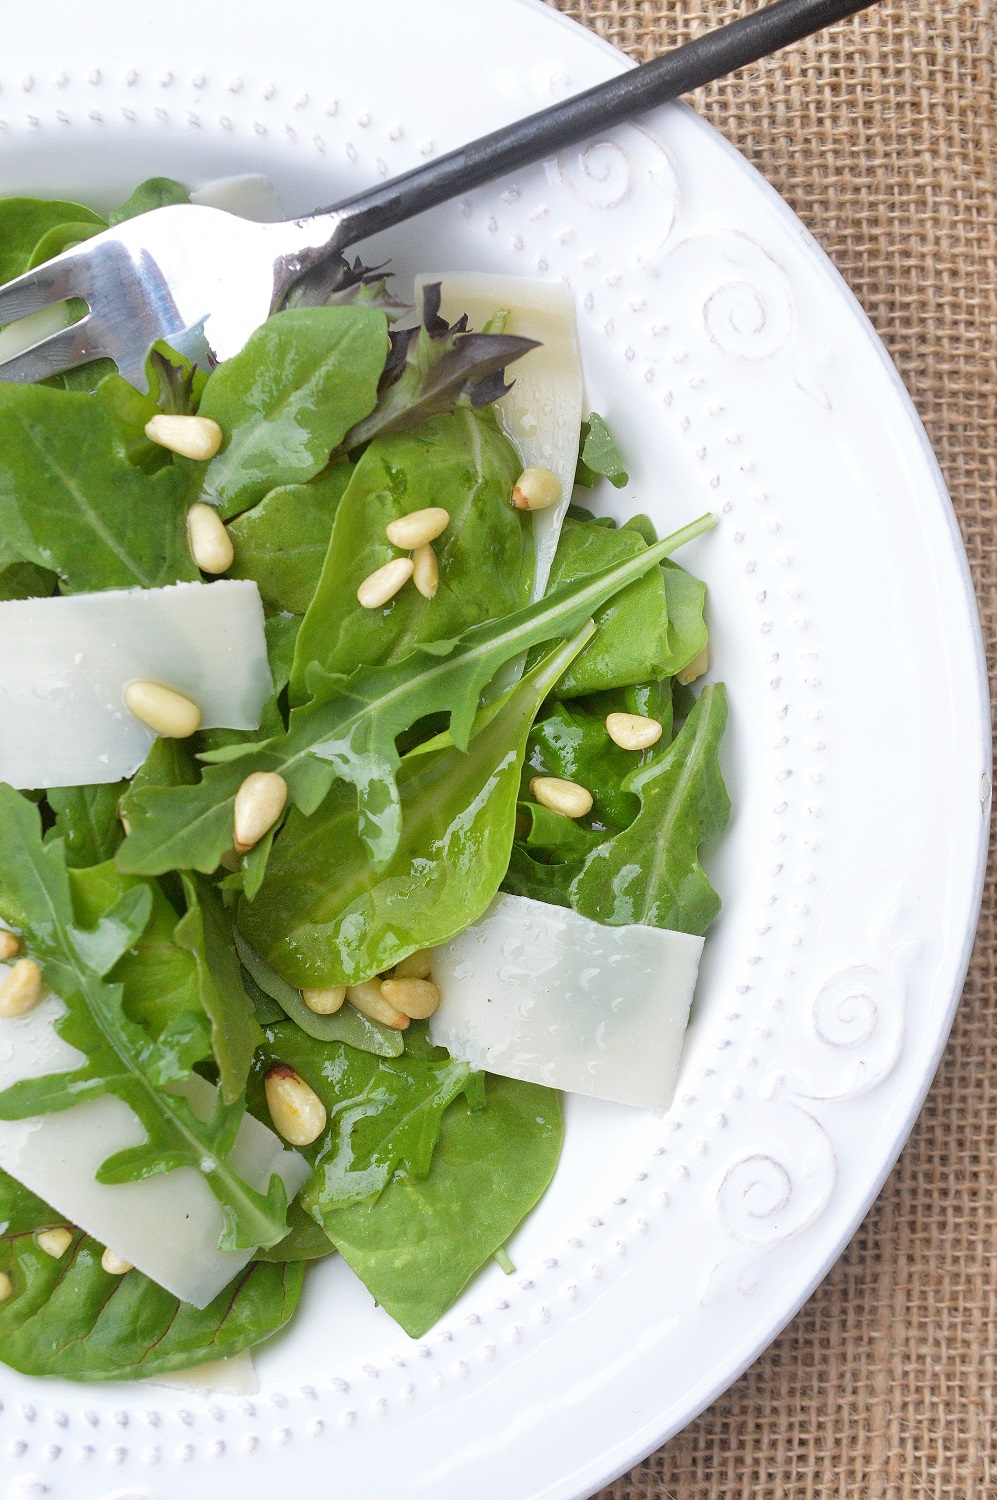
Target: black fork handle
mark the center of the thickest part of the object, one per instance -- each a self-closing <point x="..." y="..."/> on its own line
<point x="541" y="135"/>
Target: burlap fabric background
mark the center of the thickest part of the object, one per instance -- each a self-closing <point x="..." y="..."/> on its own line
<point x="881" y="135"/>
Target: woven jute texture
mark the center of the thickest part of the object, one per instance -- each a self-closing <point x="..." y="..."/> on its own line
<point x="880" y="134"/>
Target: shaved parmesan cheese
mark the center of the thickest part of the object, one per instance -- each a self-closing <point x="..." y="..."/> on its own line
<point x="168" y="1226"/>
<point x="542" y="414"/>
<point x="250" y="195"/>
<point x="234" y="1376"/>
<point x="537" y="992"/>
<point x="66" y="662"/>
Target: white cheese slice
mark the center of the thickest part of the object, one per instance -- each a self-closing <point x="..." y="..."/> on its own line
<point x="537" y="992"/>
<point x="168" y="1226"/>
<point x="65" y="663"/>
<point x="542" y="414"/>
<point x="250" y="195"/>
<point x="234" y="1376"/>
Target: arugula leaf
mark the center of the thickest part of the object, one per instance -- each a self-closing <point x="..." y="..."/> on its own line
<point x="686" y="598"/>
<point x="305" y="1240"/>
<point x="86" y="819"/>
<point x="650" y="873"/>
<point x="206" y="933"/>
<point x="485" y="556"/>
<point x="285" y="401"/>
<point x="598" y="455"/>
<point x="69" y="1318"/>
<point x="346" y="1025"/>
<point x="434" y="368"/>
<point x="154" y="192"/>
<point x="633" y="640"/>
<point x="119" y="1057"/>
<point x="418" y="1244"/>
<point x="325" y="913"/>
<point x="282" y="542"/>
<point x="71" y="501"/>
<point x="24" y="221"/>
<point x="573" y="744"/>
<point x="349" y="730"/>
<point x="384" y="1114"/>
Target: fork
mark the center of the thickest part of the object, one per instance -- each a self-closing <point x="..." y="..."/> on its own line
<point x="171" y="270"/>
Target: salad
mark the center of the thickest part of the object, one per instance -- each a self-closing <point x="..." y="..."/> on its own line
<point x="442" y="711"/>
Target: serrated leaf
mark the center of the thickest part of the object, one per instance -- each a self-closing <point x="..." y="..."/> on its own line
<point x="350" y="730"/>
<point x="120" y="1058"/>
<point x="205" y="932"/>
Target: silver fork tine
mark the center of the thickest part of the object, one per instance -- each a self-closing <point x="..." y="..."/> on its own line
<point x="64" y="350"/>
<point x="51" y="282"/>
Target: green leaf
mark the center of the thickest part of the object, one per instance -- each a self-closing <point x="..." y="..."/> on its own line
<point x="155" y="192"/>
<point x="417" y="1246"/>
<point x="650" y="873"/>
<point x="205" y="932"/>
<point x="288" y="397"/>
<point x="71" y="501"/>
<point x="24" y="221"/>
<point x="574" y="745"/>
<point x="345" y="1025"/>
<point x="23" y="580"/>
<point x="350" y="732"/>
<point x="434" y="368"/>
<point x="598" y="455"/>
<point x="687" y="634"/>
<point x="86" y="819"/>
<point x="633" y="640"/>
<point x="384" y="1114"/>
<point x="281" y="543"/>
<point x="327" y="915"/>
<point x="119" y="1056"/>
<point x="69" y="1318"/>
<point x="462" y="463"/>
<point x="334" y="282"/>
<point x="305" y="1241"/>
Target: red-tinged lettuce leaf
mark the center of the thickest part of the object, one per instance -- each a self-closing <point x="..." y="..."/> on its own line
<point x="334" y="282"/>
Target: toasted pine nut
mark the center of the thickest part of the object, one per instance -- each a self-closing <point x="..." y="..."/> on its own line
<point x="696" y="667"/>
<point x="383" y="584"/>
<point x="167" y="712"/>
<point x="113" y="1264"/>
<point x="21" y="988"/>
<point x="418" y="965"/>
<point x="325" y="1002"/>
<point x="417" y="998"/>
<point x="210" y="544"/>
<point x="193" y="437"/>
<point x="297" y="1111"/>
<point x="418" y="527"/>
<point x="561" y="796"/>
<point x="536" y="489"/>
<point x="632" y="731"/>
<point x="259" y="802"/>
<point x="10" y="945"/>
<point x="54" y="1242"/>
<point x="426" y="571"/>
<point x="6" y="1286"/>
<point x="369" y="1001"/>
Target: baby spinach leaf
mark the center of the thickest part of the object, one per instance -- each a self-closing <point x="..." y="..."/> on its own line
<point x="282" y="542"/>
<point x="651" y="700"/>
<point x="86" y="819"/>
<point x="346" y="1025"/>
<point x="434" y="368"/>
<point x="69" y="1318"/>
<point x="349" y="729"/>
<point x="599" y="456"/>
<point x="573" y="744"/>
<point x="205" y="932"/>
<point x="327" y="915"/>
<point x="155" y="192"/>
<point x="288" y="397"/>
<point x="462" y="463"/>
<point x="552" y="836"/>
<point x="305" y="1240"/>
<point x="24" y="221"/>
<point x="24" y="580"/>
<point x="418" y="1244"/>
<point x="687" y="634"/>
<point x="71" y="501"/>
<point x="632" y="644"/>
<point x="650" y="873"/>
<point x="119" y="1057"/>
<point x="384" y="1114"/>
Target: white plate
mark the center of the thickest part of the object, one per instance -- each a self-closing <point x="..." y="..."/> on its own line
<point x="739" y="374"/>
